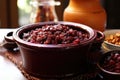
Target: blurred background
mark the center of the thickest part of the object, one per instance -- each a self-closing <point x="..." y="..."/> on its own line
<point x="15" y="13"/>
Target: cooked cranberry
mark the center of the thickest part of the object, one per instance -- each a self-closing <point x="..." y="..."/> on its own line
<point x="55" y="34"/>
<point x="76" y="41"/>
<point x="112" y="63"/>
<point x="118" y="59"/>
<point x="114" y="56"/>
<point x="117" y="71"/>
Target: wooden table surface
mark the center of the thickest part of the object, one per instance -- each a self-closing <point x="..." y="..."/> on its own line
<point x="8" y="71"/>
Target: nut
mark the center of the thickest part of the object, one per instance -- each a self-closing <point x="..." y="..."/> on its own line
<point x="114" y="39"/>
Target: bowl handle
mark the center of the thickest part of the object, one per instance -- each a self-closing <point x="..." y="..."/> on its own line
<point x="9" y="42"/>
<point x="9" y="37"/>
<point x="95" y="49"/>
<point x="96" y="45"/>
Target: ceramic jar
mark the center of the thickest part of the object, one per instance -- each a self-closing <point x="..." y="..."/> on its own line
<point x="43" y="10"/>
<point x="88" y="12"/>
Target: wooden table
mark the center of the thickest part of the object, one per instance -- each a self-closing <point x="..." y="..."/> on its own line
<point x="8" y="71"/>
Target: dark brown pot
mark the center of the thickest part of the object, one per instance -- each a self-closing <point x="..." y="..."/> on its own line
<point x="54" y="60"/>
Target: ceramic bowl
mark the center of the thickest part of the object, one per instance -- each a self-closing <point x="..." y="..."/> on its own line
<point x="110" y="46"/>
<point x="108" y="74"/>
<point x="47" y="60"/>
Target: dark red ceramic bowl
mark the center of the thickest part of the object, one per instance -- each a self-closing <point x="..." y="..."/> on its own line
<point x="110" y="69"/>
<point x="47" y="60"/>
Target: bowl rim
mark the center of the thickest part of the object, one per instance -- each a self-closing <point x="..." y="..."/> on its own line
<point x="115" y="45"/>
<point x="104" y="70"/>
<point x="82" y="26"/>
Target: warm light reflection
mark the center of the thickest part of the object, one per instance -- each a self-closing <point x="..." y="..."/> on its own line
<point x="8" y="69"/>
<point x="24" y="5"/>
<point x="21" y="4"/>
<point x="25" y="9"/>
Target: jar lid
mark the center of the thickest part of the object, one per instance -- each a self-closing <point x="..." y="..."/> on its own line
<point x="43" y="2"/>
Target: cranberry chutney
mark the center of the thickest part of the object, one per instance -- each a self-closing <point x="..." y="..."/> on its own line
<point x="61" y="53"/>
<point x="56" y="34"/>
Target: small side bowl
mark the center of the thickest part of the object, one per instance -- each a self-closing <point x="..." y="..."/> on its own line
<point x="107" y="75"/>
<point x="107" y="45"/>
